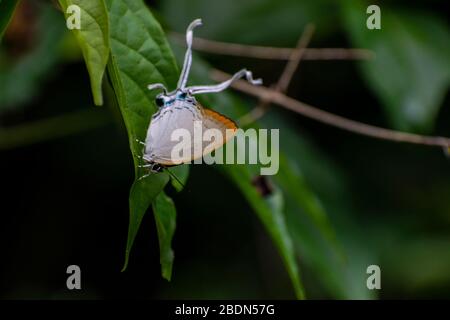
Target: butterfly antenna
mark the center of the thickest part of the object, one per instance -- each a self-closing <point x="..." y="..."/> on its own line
<point x="174" y="176"/>
<point x="188" y="56"/>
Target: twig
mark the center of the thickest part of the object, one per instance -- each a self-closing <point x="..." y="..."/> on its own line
<point x="332" y="119"/>
<point x="274" y="53"/>
<point x="294" y="59"/>
<point x="285" y="78"/>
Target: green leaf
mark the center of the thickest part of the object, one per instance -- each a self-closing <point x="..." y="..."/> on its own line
<point x="295" y="185"/>
<point x="179" y="176"/>
<point x="270" y="212"/>
<point x="165" y="217"/>
<point x="20" y="81"/>
<point x="7" y="8"/>
<point x="140" y="55"/>
<point x="142" y="194"/>
<point x="332" y="248"/>
<point x="292" y="179"/>
<point x="411" y="71"/>
<point x="93" y="39"/>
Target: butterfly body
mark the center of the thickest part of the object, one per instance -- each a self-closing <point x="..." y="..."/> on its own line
<point x="179" y="110"/>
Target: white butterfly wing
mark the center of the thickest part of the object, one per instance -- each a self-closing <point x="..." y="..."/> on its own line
<point x="183" y="115"/>
<point x="179" y="115"/>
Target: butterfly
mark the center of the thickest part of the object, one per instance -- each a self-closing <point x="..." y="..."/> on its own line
<point x="180" y="110"/>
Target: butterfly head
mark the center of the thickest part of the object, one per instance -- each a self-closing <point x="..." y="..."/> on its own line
<point x="166" y="99"/>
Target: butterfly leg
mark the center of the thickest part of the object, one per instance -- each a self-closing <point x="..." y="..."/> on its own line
<point x="224" y="85"/>
<point x="154" y="167"/>
<point x="151" y="167"/>
<point x="144" y="176"/>
<point x="140" y="142"/>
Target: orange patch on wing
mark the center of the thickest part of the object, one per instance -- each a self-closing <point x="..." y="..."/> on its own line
<point x="228" y="123"/>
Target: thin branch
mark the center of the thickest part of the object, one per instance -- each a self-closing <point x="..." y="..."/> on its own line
<point x="273" y="53"/>
<point x="294" y="59"/>
<point x="332" y="119"/>
<point x="285" y="78"/>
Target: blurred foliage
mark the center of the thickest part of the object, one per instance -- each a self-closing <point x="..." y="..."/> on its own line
<point x="8" y="10"/>
<point x="252" y="21"/>
<point x="411" y="71"/>
<point x="338" y="203"/>
<point x="339" y="266"/>
<point x="20" y="79"/>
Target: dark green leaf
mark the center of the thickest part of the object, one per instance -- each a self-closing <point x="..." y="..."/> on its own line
<point x="270" y="212"/>
<point x="93" y="39"/>
<point x="139" y="55"/>
<point x="6" y="12"/>
<point x="179" y="176"/>
<point x="328" y="250"/>
<point x="292" y="180"/>
<point x="296" y="187"/>
<point x="142" y="194"/>
<point x="411" y="71"/>
<point x="320" y="249"/>
<point x="165" y="217"/>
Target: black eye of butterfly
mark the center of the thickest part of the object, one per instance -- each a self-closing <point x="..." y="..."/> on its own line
<point x="159" y="101"/>
<point x="182" y="95"/>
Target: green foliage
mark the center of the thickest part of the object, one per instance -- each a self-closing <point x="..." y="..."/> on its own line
<point x="271" y="216"/>
<point x="6" y="12"/>
<point x="20" y="81"/>
<point x="288" y="184"/>
<point x="251" y="21"/>
<point x="142" y="194"/>
<point x="165" y="217"/>
<point x="316" y="191"/>
<point x="309" y="214"/>
<point x="270" y="211"/>
<point x="179" y="176"/>
<point x="411" y="70"/>
<point x="298" y="190"/>
<point x="93" y="39"/>
<point x="139" y="55"/>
